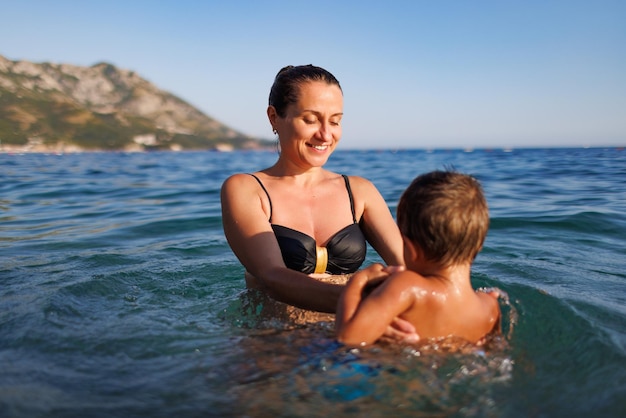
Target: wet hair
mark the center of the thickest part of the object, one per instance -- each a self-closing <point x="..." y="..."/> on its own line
<point x="445" y="213"/>
<point x="286" y="87"/>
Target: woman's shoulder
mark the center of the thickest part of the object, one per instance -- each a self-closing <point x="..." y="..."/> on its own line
<point x="239" y="181"/>
<point x="362" y="188"/>
<point x="245" y="177"/>
<point x="360" y="182"/>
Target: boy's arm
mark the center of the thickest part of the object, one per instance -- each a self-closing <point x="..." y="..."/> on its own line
<point x="362" y="320"/>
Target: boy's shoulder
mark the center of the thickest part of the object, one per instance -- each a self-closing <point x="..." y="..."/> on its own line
<point x="491" y="297"/>
<point x="408" y="277"/>
<point x="410" y="283"/>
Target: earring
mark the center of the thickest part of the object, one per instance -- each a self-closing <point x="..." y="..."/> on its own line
<point x="275" y="131"/>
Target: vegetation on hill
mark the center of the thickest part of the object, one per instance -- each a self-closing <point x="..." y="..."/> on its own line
<point x="65" y="107"/>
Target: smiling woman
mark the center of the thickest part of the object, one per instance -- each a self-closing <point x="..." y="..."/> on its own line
<point x="298" y="229"/>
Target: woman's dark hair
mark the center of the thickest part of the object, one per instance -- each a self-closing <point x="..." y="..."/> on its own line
<point x="286" y="87"/>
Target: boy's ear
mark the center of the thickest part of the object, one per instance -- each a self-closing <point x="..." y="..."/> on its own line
<point x="411" y="251"/>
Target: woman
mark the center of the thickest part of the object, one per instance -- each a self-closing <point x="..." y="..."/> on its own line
<point x="297" y="228"/>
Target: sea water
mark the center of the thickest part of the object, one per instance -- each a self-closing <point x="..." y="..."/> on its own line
<point x="119" y="295"/>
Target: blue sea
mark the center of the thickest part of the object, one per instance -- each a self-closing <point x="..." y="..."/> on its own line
<point x="119" y="295"/>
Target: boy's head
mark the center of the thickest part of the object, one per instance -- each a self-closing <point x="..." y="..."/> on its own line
<point x="445" y="213"/>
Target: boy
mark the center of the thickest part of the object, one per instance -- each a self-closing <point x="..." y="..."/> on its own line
<point x="444" y="218"/>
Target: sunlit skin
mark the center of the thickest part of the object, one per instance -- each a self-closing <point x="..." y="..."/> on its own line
<point x="311" y="129"/>
<point x="305" y="197"/>
<point x="438" y="301"/>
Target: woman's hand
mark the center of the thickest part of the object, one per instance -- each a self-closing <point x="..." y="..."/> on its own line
<point x="401" y="331"/>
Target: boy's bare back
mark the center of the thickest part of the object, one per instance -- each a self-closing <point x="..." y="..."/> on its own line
<point x="436" y="306"/>
<point x="441" y="308"/>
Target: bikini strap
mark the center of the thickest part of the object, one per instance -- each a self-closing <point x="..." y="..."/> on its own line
<point x="268" y="195"/>
<point x="345" y="178"/>
<point x="350" y="195"/>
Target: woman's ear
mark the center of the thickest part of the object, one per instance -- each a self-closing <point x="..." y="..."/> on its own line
<point x="272" y="116"/>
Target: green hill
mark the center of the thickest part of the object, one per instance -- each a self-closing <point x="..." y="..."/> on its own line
<point x="56" y="107"/>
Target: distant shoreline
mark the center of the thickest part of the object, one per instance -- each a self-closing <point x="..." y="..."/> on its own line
<point x="73" y="149"/>
<point x="17" y="150"/>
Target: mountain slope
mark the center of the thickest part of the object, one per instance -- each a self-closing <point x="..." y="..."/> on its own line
<point x="66" y="107"/>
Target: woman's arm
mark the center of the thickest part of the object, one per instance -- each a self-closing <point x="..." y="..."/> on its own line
<point x="377" y="223"/>
<point x="245" y="213"/>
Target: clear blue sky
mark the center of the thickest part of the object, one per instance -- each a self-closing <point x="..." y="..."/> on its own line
<point x="415" y="74"/>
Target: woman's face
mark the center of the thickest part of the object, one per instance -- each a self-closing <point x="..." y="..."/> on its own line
<point x="311" y="128"/>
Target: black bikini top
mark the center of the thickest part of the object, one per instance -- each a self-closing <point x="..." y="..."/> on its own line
<point x="344" y="253"/>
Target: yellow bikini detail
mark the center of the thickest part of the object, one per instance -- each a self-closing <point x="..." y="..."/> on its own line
<point x="322" y="260"/>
